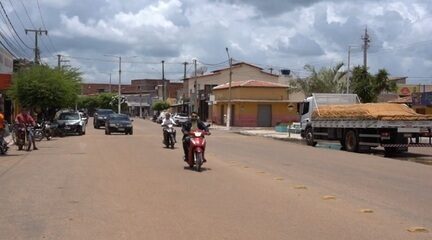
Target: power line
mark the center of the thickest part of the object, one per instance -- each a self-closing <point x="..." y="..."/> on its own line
<point x="13" y="28"/>
<point x="12" y="39"/>
<point x="11" y="46"/>
<point x="18" y="17"/>
<point x="43" y="24"/>
<point x="28" y="15"/>
<point x="7" y="49"/>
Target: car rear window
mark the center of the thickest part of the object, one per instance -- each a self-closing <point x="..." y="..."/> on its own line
<point x="69" y="116"/>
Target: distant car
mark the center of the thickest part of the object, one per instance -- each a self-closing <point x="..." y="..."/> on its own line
<point x="100" y="116"/>
<point x="295" y="128"/>
<point x="180" y="118"/>
<point x="118" y="123"/>
<point x="70" y="122"/>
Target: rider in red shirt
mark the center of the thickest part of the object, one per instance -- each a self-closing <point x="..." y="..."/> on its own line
<point x="24" y="118"/>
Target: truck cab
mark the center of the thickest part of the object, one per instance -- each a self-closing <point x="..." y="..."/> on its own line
<point x="310" y="104"/>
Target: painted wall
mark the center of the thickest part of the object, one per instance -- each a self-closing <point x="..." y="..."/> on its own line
<point x="254" y="93"/>
<point x="246" y="114"/>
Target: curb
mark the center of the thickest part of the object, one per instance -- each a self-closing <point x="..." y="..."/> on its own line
<point x="295" y="140"/>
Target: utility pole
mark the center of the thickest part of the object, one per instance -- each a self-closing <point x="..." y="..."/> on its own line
<point x="59" y="60"/>
<point x="110" y="89"/>
<point x="36" y="50"/>
<point x="228" y="121"/>
<point x="349" y="70"/>
<point x="184" y="71"/>
<point x="119" y="87"/>
<point x="164" y="92"/>
<point x="195" y="86"/>
<point x="366" y="42"/>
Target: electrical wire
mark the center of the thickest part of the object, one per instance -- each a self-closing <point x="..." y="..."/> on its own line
<point x="12" y="42"/>
<point x="43" y="24"/>
<point x="18" y="17"/>
<point x="13" y="28"/>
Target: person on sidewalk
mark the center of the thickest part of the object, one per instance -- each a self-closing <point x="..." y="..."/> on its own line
<point x="25" y="119"/>
<point x="191" y="125"/>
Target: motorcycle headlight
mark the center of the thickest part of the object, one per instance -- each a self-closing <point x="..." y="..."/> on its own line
<point x="198" y="134"/>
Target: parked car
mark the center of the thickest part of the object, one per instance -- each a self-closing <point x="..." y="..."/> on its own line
<point x="180" y="118"/>
<point x="70" y="122"/>
<point x="100" y="116"/>
<point x="118" y="123"/>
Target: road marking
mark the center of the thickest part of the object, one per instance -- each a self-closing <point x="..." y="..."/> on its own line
<point x="300" y="187"/>
<point x="279" y="178"/>
<point x="417" y="230"/>
<point x="328" y="197"/>
<point x="366" y="210"/>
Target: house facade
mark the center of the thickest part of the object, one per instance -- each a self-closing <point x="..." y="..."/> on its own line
<point x="254" y="104"/>
<point x="198" y="89"/>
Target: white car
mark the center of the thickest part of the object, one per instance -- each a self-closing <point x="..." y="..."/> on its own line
<point x="180" y="118"/>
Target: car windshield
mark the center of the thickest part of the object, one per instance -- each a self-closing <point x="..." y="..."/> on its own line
<point x="69" y="116"/>
<point x="104" y="112"/>
<point x="119" y="117"/>
<point x="182" y="115"/>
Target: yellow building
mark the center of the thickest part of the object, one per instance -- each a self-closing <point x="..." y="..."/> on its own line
<point x="254" y="104"/>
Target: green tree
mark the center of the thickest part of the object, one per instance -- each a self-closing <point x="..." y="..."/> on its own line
<point x="160" y="106"/>
<point x="41" y="86"/>
<point x="326" y="80"/>
<point x="367" y="86"/>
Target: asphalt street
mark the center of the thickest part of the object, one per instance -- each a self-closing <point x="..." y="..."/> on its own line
<point x="131" y="187"/>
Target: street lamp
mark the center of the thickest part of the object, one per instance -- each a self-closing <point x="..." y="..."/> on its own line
<point x="228" y="123"/>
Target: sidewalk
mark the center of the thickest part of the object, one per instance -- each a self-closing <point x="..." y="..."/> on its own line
<point x="262" y="132"/>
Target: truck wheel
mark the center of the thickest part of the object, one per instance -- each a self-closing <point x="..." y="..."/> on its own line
<point x="351" y="141"/>
<point x="309" y="137"/>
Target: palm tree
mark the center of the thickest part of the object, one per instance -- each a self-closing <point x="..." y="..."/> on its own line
<point x="326" y="80"/>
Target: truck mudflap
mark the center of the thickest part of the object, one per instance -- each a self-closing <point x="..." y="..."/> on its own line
<point x="407" y="145"/>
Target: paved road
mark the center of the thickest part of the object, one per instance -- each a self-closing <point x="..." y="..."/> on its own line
<point x="129" y="187"/>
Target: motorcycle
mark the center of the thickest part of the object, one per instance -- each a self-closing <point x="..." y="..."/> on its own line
<point x="169" y="136"/>
<point x="43" y="130"/>
<point x="22" y="136"/>
<point x="196" y="149"/>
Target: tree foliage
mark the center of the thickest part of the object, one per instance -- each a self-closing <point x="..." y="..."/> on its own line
<point x="160" y="106"/>
<point x="103" y="100"/>
<point x="368" y="86"/>
<point x="41" y="86"/>
<point x="325" y="80"/>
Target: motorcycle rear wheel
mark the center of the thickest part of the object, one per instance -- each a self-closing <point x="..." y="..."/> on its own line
<point x="171" y="139"/>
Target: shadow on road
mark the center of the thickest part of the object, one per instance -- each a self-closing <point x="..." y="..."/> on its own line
<point x="203" y="169"/>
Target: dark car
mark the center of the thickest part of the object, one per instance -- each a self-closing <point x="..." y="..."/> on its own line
<point x="100" y="116"/>
<point x="118" y="123"/>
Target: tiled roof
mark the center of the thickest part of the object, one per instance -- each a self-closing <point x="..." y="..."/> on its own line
<point x="251" y="83"/>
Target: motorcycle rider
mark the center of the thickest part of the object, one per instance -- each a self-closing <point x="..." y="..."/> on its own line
<point x="191" y="125"/>
<point x="25" y="119"/>
<point x="165" y="122"/>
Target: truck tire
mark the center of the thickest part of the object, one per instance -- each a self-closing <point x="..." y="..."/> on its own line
<point x="351" y="141"/>
<point x="309" y="137"/>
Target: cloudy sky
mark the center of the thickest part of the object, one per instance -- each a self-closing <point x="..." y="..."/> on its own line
<point x="278" y="34"/>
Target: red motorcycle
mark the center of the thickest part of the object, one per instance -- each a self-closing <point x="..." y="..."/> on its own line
<point x="196" y="149"/>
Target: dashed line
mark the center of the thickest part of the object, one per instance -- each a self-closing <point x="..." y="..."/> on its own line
<point x="328" y="197"/>
<point x="417" y="230"/>
<point x="366" y="210"/>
